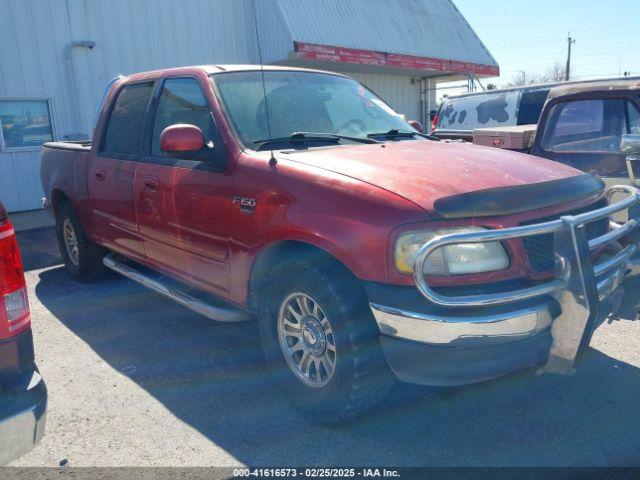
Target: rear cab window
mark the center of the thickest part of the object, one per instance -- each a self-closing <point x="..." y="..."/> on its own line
<point x="479" y="111"/>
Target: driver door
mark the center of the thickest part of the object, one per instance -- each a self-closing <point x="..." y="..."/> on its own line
<point x="183" y="205"/>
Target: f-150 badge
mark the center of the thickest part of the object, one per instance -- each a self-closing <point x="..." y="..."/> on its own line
<point x="247" y="205"/>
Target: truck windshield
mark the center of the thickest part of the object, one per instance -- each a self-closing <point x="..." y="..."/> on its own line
<point x="302" y="102"/>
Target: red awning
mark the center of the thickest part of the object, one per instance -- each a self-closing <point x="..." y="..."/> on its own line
<point x="329" y="53"/>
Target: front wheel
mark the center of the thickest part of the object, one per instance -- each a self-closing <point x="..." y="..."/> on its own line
<point x="321" y="342"/>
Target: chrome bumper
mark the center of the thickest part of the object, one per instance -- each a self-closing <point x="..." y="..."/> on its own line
<point x="582" y="290"/>
<point x="453" y="331"/>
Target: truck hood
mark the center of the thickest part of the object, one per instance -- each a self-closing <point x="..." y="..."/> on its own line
<point x="424" y="171"/>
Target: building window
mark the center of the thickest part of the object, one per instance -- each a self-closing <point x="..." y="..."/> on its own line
<point x="26" y="124"/>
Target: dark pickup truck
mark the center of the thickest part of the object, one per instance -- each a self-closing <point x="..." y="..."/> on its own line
<point x="594" y="127"/>
<point x="365" y="249"/>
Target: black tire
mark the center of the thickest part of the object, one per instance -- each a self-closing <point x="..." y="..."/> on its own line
<point x="87" y="264"/>
<point x="361" y="377"/>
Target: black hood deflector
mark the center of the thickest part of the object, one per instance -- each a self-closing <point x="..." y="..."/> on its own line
<point x="519" y="198"/>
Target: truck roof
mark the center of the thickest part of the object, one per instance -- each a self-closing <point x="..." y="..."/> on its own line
<point x="213" y="69"/>
<point x="600" y="86"/>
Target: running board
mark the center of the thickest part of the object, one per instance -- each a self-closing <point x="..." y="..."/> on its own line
<point x="183" y="294"/>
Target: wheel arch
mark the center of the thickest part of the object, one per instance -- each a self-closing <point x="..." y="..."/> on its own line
<point x="58" y="196"/>
<point x="276" y="253"/>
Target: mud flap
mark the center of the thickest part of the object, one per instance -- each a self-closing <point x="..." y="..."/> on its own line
<point x="572" y="330"/>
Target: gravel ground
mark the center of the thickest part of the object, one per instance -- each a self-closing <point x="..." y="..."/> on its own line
<point x="136" y="380"/>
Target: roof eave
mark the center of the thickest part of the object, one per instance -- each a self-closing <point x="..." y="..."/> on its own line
<point x="386" y="61"/>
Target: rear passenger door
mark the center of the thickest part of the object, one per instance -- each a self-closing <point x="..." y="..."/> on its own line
<point x="183" y="205"/>
<point x="111" y="172"/>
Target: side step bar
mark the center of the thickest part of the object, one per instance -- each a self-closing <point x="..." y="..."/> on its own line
<point x="183" y="294"/>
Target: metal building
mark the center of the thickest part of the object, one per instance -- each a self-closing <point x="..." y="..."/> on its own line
<point x="58" y="55"/>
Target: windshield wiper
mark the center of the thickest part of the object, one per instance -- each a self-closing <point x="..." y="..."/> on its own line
<point x="396" y="133"/>
<point x="301" y="137"/>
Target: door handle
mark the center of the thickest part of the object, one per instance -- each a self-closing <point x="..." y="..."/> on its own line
<point x="150" y="183"/>
<point x="99" y="174"/>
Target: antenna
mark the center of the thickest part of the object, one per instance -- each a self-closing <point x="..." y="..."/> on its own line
<point x="272" y="160"/>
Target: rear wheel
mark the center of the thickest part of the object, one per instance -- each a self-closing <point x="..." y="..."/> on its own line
<point x="321" y="342"/>
<point x="82" y="257"/>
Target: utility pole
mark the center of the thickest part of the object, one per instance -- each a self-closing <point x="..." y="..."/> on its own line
<point x="570" y="41"/>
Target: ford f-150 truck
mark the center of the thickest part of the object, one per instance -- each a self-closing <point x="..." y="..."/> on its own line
<point x="365" y="249"/>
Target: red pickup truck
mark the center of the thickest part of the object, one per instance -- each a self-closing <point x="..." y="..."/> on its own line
<point x="363" y="247"/>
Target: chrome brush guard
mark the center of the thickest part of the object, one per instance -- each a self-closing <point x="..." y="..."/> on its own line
<point x="580" y="287"/>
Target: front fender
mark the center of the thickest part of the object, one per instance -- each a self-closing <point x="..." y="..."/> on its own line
<point x="349" y="219"/>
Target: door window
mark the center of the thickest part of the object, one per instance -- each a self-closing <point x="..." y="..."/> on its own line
<point x="531" y="104"/>
<point x="493" y="109"/>
<point x="585" y="126"/>
<point x="181" y="101"/>
<point x="633" y="116"/>
<point x="126" y="119"/>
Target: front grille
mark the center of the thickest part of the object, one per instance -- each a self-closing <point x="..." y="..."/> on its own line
<point x="539" y="248"/>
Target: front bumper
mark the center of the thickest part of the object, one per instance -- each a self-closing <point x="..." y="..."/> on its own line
<point x="457" y="339"/>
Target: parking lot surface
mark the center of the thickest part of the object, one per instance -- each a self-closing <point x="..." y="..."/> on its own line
<point x="136" y="380"/>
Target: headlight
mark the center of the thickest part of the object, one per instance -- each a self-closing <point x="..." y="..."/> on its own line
<point x="452" y="259"/>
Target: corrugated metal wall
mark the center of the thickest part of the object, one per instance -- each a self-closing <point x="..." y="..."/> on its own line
<point x="38" y="60"/>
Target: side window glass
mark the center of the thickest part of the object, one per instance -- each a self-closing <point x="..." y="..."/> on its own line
<point x="585" y="126"/>
<point x="531" y="105"/>
<point x="181" y="101"/>
<point x="633" y="115"/>
<point x="125" y="122"/>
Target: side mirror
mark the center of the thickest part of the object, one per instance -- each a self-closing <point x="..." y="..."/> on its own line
<point x="180" y="139"/>
<point x="417" y="125"/>
<point x="630" y="146"/>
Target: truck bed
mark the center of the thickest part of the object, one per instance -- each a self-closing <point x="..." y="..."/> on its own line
<point x="64" y="168"/>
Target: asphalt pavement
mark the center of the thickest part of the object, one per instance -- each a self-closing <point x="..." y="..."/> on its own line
<point x="137" y="380"/>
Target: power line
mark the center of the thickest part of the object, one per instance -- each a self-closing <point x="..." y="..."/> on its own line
<point x="554" y="36"/>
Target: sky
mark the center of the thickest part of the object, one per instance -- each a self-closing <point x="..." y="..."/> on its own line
<point x="531" y="35"/>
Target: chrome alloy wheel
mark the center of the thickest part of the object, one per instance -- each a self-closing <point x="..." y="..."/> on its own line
<point x="71" y="241"/>
<point x="306" y="339"/>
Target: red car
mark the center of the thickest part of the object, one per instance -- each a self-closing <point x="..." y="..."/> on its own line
<point x="23" y="395"/>
<point x="365" y="249"/>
